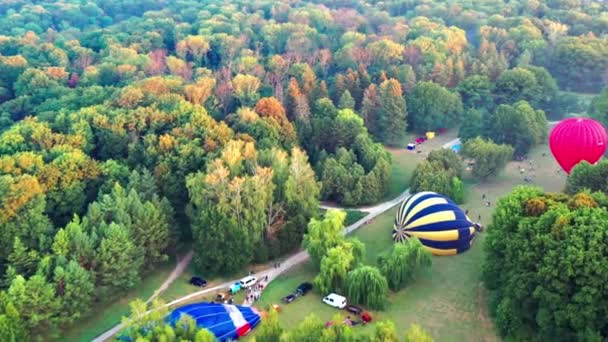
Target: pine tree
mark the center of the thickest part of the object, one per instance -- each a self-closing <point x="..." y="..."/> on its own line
<point x="74" y="285"/>
<point x="370" y="109"/>
<point x="23" y="260"/>
<point x="346" y="101"/>
<point x="118" y="260"/>
<point x="12" y="328"/>
<point x="35" y="301"/>
<point x="392" y="120"/>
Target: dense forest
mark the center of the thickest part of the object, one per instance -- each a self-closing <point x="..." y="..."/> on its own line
<point x="131" y="128"/>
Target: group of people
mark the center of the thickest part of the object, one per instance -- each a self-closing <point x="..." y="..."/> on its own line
<point x="486" y="203"/>
<point x="254" y="293"/>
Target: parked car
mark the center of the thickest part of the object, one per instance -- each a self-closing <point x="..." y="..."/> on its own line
<point x="223" y="298"/>
<point x="303" y="289"/>
<point x="354" y="309"/>
<point x="289" y="298"/>
<point x="236" y="287"/>
<point x="248" y="281"/>
<point x="335" y="300"/>
<point x="198" y="281"/>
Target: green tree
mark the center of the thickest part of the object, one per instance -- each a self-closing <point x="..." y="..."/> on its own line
<point x="431" y="176"/>
<point x="385" y="331"/>
<point x="416" y="334"/>
<point x="448" y="159"/>
<point x="515" y="85"/>
<point x="367" y="286"/>
<point x="119" y="261"/>
<point x="270" y="330"/>
<point x="301" y="197"/>
<point x="309" y="330"/>
<point x="587" y="176"/>
<point x="457" y="190"/>
<point x="346" y="101"/>
<point x="546" y="87"/>
<point x="12" y="328"/>
<point x="23" y="260"/>
<point x="147" y="323"/>
<point x="324" y="235"/>
<point x="74" y="286"/>
<point x="598" y="108"/>
<point x="543" y="262"/>
<point x="35" y="301"/>
<point x="472" y="125"/>
<point x="433" y="106"/>
<point x="147" y="221"/>
<point x="338" y="331"/>
<point x="490" y="158"/>
<point x="476" y="93"/>
<point x="204" y="335"/>
<point x="404" y="261"/>
<point x="519" y="126"/>
<point x="335" y="266"/>
<point x="392" y="118"/>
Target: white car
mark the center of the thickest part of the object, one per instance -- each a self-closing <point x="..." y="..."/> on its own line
<point x="335" y="300"/>
<point x="248" y="281"/>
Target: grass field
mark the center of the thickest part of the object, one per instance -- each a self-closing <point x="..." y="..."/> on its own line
<point x="405" y="161"/>
<point x="449" y="299"/>
<point x="107" y="314"/>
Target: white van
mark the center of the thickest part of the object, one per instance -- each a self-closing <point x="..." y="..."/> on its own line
<point x="335" y="300"/>
<point x="248" y="281"/>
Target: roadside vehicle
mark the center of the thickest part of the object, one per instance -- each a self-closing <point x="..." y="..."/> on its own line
<point x="248" y="281"/>
<point x="335" y="300"/>
<point x="198" y="281"/>
<point x="289" y="298"/>
<point x="303" y="289"/>
<point x="354" y="309"/>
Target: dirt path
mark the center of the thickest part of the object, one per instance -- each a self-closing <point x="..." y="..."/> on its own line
<point x="177" y="271"/>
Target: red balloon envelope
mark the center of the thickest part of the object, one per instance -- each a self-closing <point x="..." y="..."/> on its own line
<point x="576" y="139"/>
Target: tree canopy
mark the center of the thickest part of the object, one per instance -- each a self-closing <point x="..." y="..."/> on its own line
<point x="544" y="265"/>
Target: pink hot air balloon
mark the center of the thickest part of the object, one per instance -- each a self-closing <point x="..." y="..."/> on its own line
<point x="576" y="139"/>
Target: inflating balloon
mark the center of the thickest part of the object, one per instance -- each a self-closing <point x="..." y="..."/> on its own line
<point x="442" y="227"/>
<point x="226" y="322"/>
<point x="576" y="139"/>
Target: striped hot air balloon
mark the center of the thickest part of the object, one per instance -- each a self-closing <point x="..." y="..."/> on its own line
<point x="226" y="322"/>
<point x="442" y="227"/>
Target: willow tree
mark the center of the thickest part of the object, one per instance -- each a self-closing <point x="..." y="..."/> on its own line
<point x="367" y="286"/>
<point x="323" y="235"/>
<point x="334" y="269"/>
<point x="403" y="262"/>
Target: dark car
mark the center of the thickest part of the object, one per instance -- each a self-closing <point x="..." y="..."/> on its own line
<point x="198" y="281"/>
<point x="289" y="298"/>
<point x="303" y="289"/>
<point x="354" y="309"/>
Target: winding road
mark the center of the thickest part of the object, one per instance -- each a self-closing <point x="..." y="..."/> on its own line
<point x="272" y="273"/>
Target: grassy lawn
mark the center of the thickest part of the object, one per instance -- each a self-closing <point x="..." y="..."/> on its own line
<point x="405" y="161"/>
<point x="107" y="314"/>
<point x="449" y="299"/>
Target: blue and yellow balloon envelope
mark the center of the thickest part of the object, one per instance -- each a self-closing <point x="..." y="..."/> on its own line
<point x="442" y="227"/>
